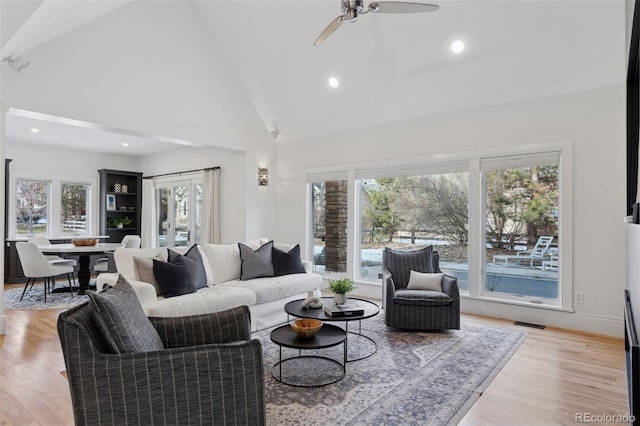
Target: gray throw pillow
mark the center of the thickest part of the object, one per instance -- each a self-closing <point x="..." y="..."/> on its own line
<point x="256" y="263"/>
<point x="199" y="274"/>
<point x="121" y="320"/>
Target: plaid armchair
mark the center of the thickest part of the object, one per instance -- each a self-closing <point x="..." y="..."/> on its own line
<point x="418" y="309"/>
<point x="208" y="373"/>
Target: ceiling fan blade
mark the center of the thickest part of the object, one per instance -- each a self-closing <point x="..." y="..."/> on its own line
<point x="331" y="28"/>
<point x="402" y="7"/>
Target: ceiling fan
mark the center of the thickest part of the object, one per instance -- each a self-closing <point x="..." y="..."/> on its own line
<point x="351" y="9"/>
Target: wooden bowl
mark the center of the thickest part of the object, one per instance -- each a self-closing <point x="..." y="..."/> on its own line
<point x="83" y="242"/>
<point x="306" y="327"/>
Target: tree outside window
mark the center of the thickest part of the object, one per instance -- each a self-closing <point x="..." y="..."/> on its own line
<point x="32" y="207"/>
<point x="73" y="210"/>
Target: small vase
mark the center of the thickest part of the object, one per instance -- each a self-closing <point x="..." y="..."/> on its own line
<point x="340" y="299"/>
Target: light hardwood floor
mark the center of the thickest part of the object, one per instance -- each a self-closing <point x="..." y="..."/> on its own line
<point x="552" y="376"/>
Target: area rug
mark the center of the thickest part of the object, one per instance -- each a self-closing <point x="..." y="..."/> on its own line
<point x="412" y="378"/>
<point x="34" y="299"/>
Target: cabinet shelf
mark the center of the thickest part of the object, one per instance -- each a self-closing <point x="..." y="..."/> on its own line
<point x="131" y="199"/>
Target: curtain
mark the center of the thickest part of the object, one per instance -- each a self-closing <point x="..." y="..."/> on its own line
<point x="211" y="207"/>
<point x="148" y="230"/>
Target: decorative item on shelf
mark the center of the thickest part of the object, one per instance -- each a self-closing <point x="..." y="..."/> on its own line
<point x="340" y="288"/>
<point x="132" y="208"/>
<point x="117" y="187"/>
<point x="306" y="327"/>
<point x="124" y="188"/>
<point x="263" y="176"/>
<point x="111" y="202"/>
<point x="84" y="242"/>
<point x="119" y="222"/>
<point x="124" y="208"/>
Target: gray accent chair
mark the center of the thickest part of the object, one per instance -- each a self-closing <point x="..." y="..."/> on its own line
<point x="418" y="309"/>
<point x="208" y="373"/>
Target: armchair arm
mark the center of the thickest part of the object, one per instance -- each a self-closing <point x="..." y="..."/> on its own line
<point x="191" y="385"/>
<point x="227" y="326"/>
<point x="450" y="286"/>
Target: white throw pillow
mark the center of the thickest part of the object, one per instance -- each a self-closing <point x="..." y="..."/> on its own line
<point x="225" y="261"/>
<point x="425" y="281"/>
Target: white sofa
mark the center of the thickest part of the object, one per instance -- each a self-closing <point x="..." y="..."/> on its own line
<point x="265" y="297"/>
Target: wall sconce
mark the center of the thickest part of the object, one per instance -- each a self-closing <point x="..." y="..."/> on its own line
<point x="263" y="176"/>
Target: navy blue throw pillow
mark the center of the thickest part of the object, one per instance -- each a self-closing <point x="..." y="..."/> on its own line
<point x="175" y="278"/>
<point x="198" y="272"/>
<point x="285" y="263"/>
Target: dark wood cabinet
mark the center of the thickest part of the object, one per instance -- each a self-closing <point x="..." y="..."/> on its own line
<point x="120" y="201"/>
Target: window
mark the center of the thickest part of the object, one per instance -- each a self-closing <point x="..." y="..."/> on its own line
<point x="410" y="212"/>
<point x="522" y="212"/>
<point x="329" y="202"/>
<point x="32" y="207"/>
<point x="51" y="207"/>
<point x="495" y="221"/>
<point x="74" y="199"/>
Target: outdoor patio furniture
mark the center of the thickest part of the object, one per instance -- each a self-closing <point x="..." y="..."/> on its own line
<point x="539" y="252"/>
<point x="551" y="264"/>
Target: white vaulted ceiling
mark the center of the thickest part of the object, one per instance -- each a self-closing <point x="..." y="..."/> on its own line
<point x="391" y="68"/>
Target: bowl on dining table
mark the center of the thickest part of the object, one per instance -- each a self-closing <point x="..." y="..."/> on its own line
<point x="84" y="242"/>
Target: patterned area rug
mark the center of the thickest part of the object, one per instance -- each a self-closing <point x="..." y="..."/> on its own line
<point x="412" y="378"/>
<point x="34" y="299"/>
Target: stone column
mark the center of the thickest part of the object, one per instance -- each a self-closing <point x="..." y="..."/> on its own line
<point x="336" y="204"/>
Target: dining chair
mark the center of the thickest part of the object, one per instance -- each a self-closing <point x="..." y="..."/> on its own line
<point x="52" y="258"/>
<point x="129" y="241"/>
<point x="35" y="266"/>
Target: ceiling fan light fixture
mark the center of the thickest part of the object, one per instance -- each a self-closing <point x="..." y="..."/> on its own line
<point x="334" y="83"/>
<point x="457" y="46"/>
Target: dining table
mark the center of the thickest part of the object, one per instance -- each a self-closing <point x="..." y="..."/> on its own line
<point x="84" y="254"/>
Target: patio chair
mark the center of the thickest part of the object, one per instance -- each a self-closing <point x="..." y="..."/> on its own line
<point x="539" y="252"/>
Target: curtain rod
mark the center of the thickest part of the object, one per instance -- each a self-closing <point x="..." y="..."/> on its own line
<point x="181" y="173"/>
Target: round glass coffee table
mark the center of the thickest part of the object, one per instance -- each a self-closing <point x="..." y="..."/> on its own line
<point x="327" y="337"/>
<point x="295" y="309"/>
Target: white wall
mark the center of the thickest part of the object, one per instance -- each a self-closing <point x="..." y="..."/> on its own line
<point x="232" y="181"/>
<point x="593" y="120"/>
<point x="150" y="67"/>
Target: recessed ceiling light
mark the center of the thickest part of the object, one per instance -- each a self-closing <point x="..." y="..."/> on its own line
<point x="457" y="46"/>
<point x="34" y="130"/>
<point x="125" y="144"/>
<point x="333" y="82"/>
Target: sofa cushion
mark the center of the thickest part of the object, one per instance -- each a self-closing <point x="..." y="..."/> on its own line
<point x="224" y="259"/>
<point x="256" y="263"/>
<point x="198" y="272"/>
<point x="425" y="281"/>
<point x="176" y="277"/>
<point x="144" y="270"/>
<point x="269" y="289"/>
<point x="121" y="320"/>
<point x="211" y="299"/>
<point x="287" y="262"/>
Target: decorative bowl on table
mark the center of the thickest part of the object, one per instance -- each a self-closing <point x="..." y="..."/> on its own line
<point x="84" y="242"/>
<point x="306" y="327"/>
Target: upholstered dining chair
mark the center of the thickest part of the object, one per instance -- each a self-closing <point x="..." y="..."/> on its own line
<point x="103" y="264"/>
<point x="416" y="295"/>
<point x="36" y="266"/>
<point x="52" y="258"/>
<point x="209" y="371"/>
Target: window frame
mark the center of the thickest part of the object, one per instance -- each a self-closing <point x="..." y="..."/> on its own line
<point x="54" y="203"/>
<point x="476" y="251"/>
